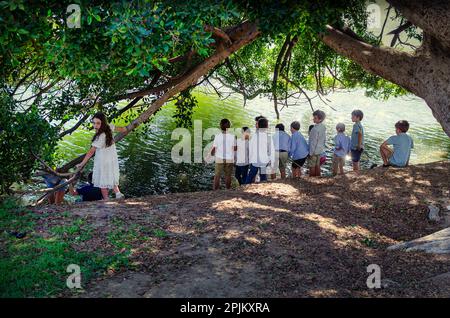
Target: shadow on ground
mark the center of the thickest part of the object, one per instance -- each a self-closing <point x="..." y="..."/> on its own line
<point x="303" y="238"/>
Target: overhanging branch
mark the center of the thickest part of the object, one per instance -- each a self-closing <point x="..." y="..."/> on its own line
<point x="394" y="65"/>
<point x="241" y="35"/>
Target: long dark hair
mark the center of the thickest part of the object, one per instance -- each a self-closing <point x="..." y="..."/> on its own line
<point x="104" y="128"/>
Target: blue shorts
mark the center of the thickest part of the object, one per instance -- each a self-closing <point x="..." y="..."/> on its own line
<point x="52" y="181"/>
<point x="356" y="155"/>
<point x="298" y="163"/>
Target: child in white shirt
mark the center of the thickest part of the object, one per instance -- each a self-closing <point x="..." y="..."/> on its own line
<point x="224" y="146"/>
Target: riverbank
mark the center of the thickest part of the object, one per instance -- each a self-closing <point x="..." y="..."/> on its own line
<point x="307" y="238"/>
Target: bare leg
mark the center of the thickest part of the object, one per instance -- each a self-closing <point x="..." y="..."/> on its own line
<point x="341" y="166"/>
<point x="228" y="182"/>
<point x="356" y="166"/>
<point x="105" y="194"/>
<point x="386" y="153"/>
<point x="312" y="171"/>
<point x="216" y="182"/>
<point x="116" y="189"/>
<point x="335" y="165"/>
<point x="316" y="171"/>
<point x="59" y="197"/>
<point x="273" y="176"/>
<point x="283" y="173"/>
<point x="51" y="198"/>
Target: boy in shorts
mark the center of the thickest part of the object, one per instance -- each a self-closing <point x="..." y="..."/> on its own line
<point x="224" y="146"/>
<point x="298" y="149"/>
<point x="317" y="138"/>
<point x="357" y="138"/>
<point x="341" y="149"/>
<point x="281" y="142"/>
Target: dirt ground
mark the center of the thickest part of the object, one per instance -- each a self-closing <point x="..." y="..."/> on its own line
<point x="309" y="238"/>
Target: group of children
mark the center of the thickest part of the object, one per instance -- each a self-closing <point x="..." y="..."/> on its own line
<point x="263" y="154"/>
<point x="250" y="155"/>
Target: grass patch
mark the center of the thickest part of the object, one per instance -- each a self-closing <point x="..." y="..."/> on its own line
<point x="159" y="233"/>
<point x="35" y="266"/>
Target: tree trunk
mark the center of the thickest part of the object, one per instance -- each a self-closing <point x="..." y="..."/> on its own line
<point x="425" y="73"/>
<point x="240" y="36"/>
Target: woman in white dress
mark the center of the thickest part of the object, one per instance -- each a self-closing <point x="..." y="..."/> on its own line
<point x="105" y="174"/>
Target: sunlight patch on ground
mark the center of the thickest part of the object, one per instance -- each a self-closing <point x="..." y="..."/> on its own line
<point x="177" y="229"/>
<point x="331" y="196"/>
<point x="345" y="236"/>
<point x="423" y="182"/>
<point x="252" y="240"/>
<point x="139" y="203"/>
<point x="240" y="204"/>
<point x="367" y="180"/>
<point x="323" y="293"/>
<point x="282" y="189"/>
<point x="230" y="234"/>
<point x="360" y="205"/>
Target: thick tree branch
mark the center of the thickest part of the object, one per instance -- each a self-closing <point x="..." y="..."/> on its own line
<point x="394" y="65"/>
<point x="218" y="33"/>
<point x="48" y="169"/>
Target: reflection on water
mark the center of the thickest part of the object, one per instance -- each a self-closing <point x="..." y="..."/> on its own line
<point x="147" y="167"/>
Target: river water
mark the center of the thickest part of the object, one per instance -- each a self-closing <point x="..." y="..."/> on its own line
<point x="145" y="157"/>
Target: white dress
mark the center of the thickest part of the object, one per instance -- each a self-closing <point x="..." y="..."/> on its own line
<point x="106" y="164"/>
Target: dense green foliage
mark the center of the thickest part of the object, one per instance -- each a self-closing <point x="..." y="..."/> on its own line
<point x="52" y="75"/>
<point x="185" y="104"/>
<point x="21" y="134"/>
<point x="35" y="266"/>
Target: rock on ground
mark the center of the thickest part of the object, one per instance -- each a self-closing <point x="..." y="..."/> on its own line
<point x="438" y="242"/>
